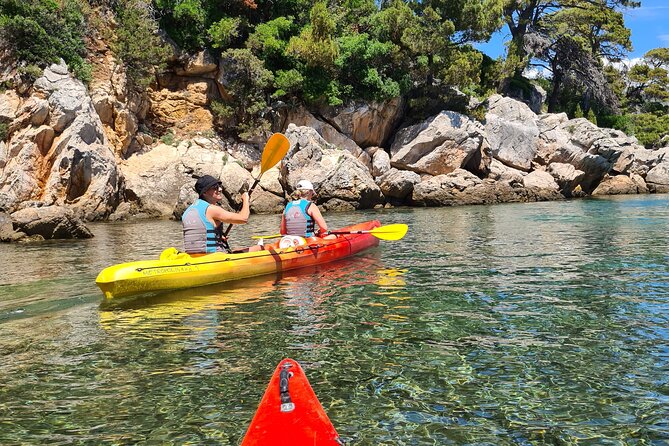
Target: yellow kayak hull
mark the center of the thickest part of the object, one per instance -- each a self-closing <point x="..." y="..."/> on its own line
<point x="176" y="270"/>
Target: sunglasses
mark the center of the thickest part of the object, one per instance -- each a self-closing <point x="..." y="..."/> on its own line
<point x="216" y="189"/>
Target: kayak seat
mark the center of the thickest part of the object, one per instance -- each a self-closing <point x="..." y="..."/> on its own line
<point x="288" y="241"/>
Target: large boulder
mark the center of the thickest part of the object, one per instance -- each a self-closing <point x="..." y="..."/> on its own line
<point x="152" y="181"/>
<point x="440" y="145"/>
<point x="268" y="197"/>
<point x="500" y="172"/>
<point x="366" y="123"/>
<point x="341" y="180"/>
<point x="638" y="160"/>
<point x="585" y="146"/>
<point x="461" y="188"/>
<point x="380" y="161"/>
<point x="540" y="179"/>
<point x="300" y="117"/>
<point x="198" y="64"/>
<point x="621" y="185"/>
<point x="67" y="162"/>
<point x="566" y="176"/>
<point x="50" y="222"/>
<point x="512" y="131"/>
<point x="658" y="178"/>
<point x="397" y="184"/>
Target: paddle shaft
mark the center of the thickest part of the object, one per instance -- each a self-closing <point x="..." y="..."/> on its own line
<point x="255" y="183"/>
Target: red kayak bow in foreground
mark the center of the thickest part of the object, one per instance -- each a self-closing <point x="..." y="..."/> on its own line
<point x="290" y="414"/>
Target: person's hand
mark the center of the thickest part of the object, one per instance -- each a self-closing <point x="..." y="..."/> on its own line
<point x="245" y="196"/>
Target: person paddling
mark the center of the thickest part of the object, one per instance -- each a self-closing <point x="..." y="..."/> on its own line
<point x="203" y="220"/>
<point x="301" y="215"/>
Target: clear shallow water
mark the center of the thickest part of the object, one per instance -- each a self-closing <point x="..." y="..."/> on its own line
<point x="521" y="324"/>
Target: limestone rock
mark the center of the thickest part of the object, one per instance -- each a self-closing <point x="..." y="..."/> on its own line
<point x="367" y="124"/>
<point x="9" y="106"/>
<point x="181" y="103"/>
<point x="461" y="188"/>
<point x="439" y="145"/>
<point x="658" y="178"/>
<point x="619" y="185"/>
<point x="540" y="180"/>
<point x="153" y="180"/>
<point x="506" y="174"/>
<point x="68" y="163"/>
<point x="380" y="162"/>
<point x="50" y="222"/>
<point x="512" y="131"/>
<point x="397" y="183"/>
<point x="337" y="175"/>
<point x="198" y="64"/>
<point x="302" y="117"/>
<point x="566" y="176"/>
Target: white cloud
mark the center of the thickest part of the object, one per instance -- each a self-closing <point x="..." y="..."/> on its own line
<point x="664" y="38"/>
<point x="536" y="72"/>
<point x="625" y="63"/>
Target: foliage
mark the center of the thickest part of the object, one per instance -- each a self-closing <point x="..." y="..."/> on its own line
<point x="136" y="42"/>
<point x="40" y="32"/>
<point x="30" y="73"/>
<point x="168" y="138"/>
<point x="316" y="46"/>
<point x="4" y="130"/>
<point x="648" y="82"/>
<point x="223" y="32"/>
<point x="649" y="128"/>
<point x="246" y="82"/>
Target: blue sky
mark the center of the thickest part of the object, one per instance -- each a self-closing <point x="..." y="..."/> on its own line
<point x="649" y="25"/>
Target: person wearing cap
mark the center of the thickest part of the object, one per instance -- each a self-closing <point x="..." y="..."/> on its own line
<point x="203" y="220"/>
<point x="301" y="215"/>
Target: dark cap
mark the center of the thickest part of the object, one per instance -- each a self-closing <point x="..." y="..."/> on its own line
<point x="205" y="183"/>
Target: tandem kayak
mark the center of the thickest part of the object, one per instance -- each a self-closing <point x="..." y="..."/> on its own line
<point x="177" y="270"/>
<point x="290" y="414"/>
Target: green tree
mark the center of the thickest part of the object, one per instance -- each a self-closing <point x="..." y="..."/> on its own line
<point x="222" y="33"/>
<point x="246" y="81"/>
<point x="648" y="81"/>
<point x="136" y="42"/>
<point x="41" y="32"/>
<point x="527" y="16"/>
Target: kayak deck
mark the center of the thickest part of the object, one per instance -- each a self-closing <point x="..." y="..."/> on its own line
<point x="290" y="414"/>
<point x="176" y="270"/>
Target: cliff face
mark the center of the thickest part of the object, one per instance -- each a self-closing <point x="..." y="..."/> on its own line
<point x="95" y="150"/>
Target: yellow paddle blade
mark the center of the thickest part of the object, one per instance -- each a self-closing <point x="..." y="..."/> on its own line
<point x="390" y="232"/>
<point x="276" y="148"/>
<point x="257" y="237"/>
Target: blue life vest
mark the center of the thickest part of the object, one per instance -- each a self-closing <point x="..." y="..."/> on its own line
<point x="298" y="221"/>
<point x="200" y="235"/>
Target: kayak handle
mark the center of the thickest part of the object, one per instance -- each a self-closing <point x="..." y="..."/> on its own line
<point x="286" y="404"/>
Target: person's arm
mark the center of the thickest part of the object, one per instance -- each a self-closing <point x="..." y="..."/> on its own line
<point x="315" y="213"/>
<point x="283" y="224"/>
<point x="218" y="214"/>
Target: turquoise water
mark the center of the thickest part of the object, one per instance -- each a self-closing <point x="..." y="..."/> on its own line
<point x="518" y="324"/>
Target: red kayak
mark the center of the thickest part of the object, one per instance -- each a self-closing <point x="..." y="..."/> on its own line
<point x="290" y="414"/>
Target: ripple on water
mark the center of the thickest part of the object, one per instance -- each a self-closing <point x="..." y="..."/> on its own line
<point x="543" y="323"/>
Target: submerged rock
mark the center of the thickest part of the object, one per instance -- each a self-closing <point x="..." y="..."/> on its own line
<point x="50" y="222"/>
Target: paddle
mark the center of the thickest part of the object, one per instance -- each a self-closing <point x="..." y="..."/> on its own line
<point x="276" y="148"/>
<point x="388" y="232"/>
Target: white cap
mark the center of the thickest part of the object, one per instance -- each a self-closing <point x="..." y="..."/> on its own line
<point x="305" y="185"/>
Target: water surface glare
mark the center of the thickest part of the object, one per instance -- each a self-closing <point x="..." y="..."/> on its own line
<point x="518" y="324"/>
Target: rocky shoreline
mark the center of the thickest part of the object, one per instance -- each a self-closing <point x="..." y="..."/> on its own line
<point x="62" y="163"/>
